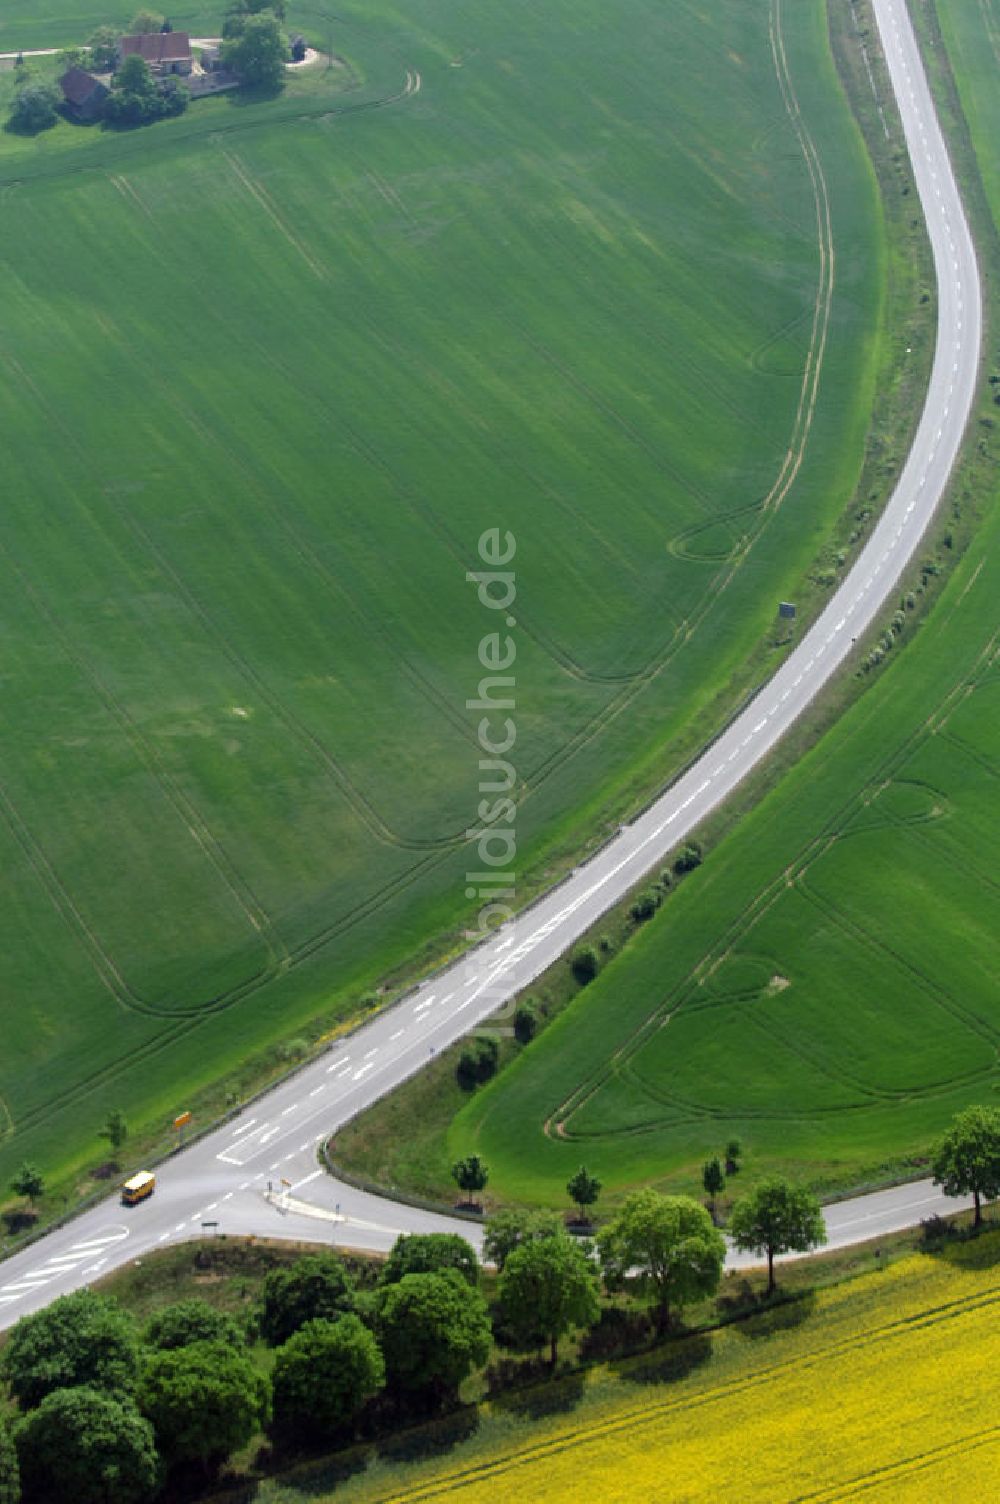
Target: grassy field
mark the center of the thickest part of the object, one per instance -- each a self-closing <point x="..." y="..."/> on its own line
<point x="269" y="370"/>
<point x="825" y="987"/>
<point x="872" y="1389"/>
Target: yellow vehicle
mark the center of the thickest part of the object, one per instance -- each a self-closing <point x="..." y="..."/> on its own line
<point x="138" y="1188"/>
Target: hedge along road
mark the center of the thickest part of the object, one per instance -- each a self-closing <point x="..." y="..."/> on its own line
<point x="257" y="1174"/>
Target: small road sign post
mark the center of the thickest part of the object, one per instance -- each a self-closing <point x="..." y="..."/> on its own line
<point x="180" y="1123"/>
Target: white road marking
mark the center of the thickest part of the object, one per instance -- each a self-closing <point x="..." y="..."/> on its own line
<point x="307" y="1179"/>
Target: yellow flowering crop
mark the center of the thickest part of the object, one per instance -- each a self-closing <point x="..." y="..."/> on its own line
<point x="885" y="1388"/>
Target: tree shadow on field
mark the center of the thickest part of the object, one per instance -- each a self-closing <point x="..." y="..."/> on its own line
<point x="254" y="94"/>
<point x="617" y="1334"/>
<point x="551" y="1397"/>
<point x="963" y="1247"/>
<point x="783" y="1314"/>
<point x="19" y="1221"/>
<point x="432" y="1439"/>
<point x="668" y="1364"/>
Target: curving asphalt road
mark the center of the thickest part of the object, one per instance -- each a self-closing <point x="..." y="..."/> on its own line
<point x="221" y="1183"/>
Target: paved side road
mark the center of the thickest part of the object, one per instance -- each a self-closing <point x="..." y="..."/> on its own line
<point x="223" y="1179"/>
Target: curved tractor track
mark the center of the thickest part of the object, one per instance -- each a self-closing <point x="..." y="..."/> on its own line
<point x="250" y="1176"/>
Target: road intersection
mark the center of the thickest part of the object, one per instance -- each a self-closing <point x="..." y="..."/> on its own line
<point x="257" y="1174"/>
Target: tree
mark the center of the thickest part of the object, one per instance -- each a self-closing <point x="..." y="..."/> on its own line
<point x="204" y="1402"/>
<point x="547" y="1288"/>
<point x="79" y="1339"/>
<point x="10" y="1480"/>
<point x="967" y="1160"/>
<point x="776" y="1218"/>
<point x="324" y="1375"/>
<point x="174" y="97"/>
<point x="734" y="1153"/>
<point x="713" y="1181"/>
<point x="144" y="21"/>
<point x="88" y="1447"/>
<point x="35" y="108"/>
<point x="29" y="1183"/>
<point x="470" y="1174"/>
<point x="583" y="1188"/>
<point x="669" y="1244"/>
<point x="434" y="1329"/>
<point x="189" y="1321"/>
<point x="238" y="11"/>
<point x="507" y="1230"/>
<point x="115" y="1130"/>
<point x="258" y="53"/>
<point x="429" y="1253"/>
<point x="134" y="97"/>
<point x="103" y="47"/>
<point x="317" y="1287"/>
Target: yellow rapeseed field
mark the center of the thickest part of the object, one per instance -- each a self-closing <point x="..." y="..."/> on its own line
<point x="884" y="1388"/>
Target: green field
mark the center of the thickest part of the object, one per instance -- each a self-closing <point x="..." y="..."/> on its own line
<point x="269" y="371"/>
<point x="827" y="985"/>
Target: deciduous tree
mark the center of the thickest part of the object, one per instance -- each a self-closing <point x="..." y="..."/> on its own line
<point x="316" y="1287"/>
<point x="204" y="1402"/>
<point x="258" y="52"/>
<point x="103" y="48"/>
<point x="777" y="1217"/>
<point x="323" y="1377"/>
<point x="429" y="1253"/>
<point x="967" y="1160"/>
<point x="470" y="1174"/>
<point x="35" y="108"/>
<point x="507" y="1230"/>
<point x="434" y="1329"/>
<point x="29" y="1183"/>
<point x="189" y="1321"/>
<point x="713" y="1181"/>
<point x="115" y="1129"/>
<point x="10" y="1479"/>
<point x="583" y="1188"/>
<point x="85" y="1447"/>
<point x="79" y="1339"/>
<point x="144" y="21"/>
<point x="548" y="1287"/>
<point x="669" y="1244"/>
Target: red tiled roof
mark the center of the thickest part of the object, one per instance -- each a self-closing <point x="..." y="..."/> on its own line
<point x="159" y="46"/>
<point x="78" y="85"/>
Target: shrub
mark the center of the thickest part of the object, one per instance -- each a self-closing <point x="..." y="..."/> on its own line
<point x="35" y="108"/>
<point x="645" y="906"/>
<point x="688" y="858"/>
